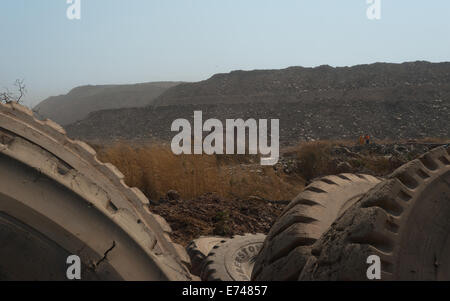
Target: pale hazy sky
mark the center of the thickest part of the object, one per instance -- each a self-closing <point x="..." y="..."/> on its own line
<point x="123" y="41"/>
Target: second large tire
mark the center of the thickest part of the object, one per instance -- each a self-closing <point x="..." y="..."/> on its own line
<point x="198" y="250"/>
<point x="288" y="244"/>
<point x="232" y="259"/>
<point x="404" y="222"/>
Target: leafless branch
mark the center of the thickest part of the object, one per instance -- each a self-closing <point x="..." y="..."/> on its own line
<point x="21" y="87"/>
<point x="8" y="96"/>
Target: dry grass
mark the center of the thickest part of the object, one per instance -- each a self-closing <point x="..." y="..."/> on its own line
<point x="314" y="159"/>
<point x="155" y="170"/>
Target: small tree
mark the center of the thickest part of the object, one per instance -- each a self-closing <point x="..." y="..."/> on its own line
<point x="8" y="96"/>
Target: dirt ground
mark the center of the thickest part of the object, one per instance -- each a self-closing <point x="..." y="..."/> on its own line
<point x="211" y="215"/>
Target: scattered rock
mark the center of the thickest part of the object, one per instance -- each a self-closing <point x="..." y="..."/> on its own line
<point x="255" y="198"/>
<point x="173" y="195"/>
<point x="344" y="167"/>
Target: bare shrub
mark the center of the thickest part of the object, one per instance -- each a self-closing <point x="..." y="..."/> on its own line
<point x="314" y="159"/>
<point x="8" y="96"/>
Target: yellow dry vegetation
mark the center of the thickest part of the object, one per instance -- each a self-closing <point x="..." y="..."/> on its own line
<point x="155" y="170"/>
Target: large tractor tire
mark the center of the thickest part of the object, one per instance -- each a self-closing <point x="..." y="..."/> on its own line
<point x="288" y="244"/>
<point x="198" y="250"/>
<point x="58" y="200"/>
<point x="403" y="223"/>
<point x="232" y="259"/>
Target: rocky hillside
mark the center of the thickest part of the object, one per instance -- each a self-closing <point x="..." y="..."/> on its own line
<point x="81" y="101"/>
<point x="325" y="119"/>
<point x="415" y="80"/>
<point x="410" y="100"/>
